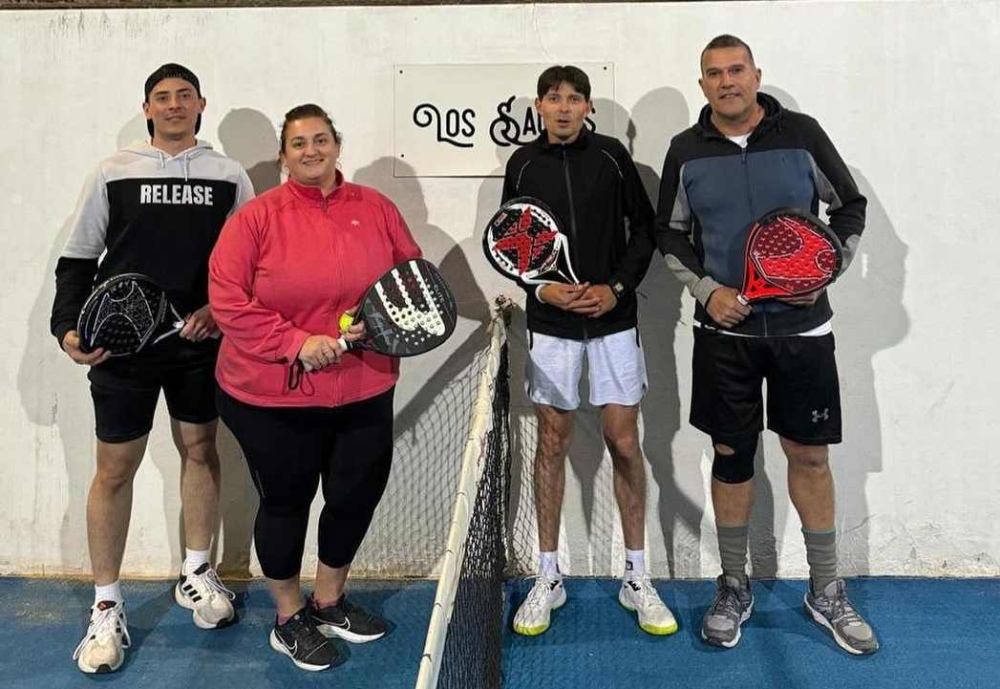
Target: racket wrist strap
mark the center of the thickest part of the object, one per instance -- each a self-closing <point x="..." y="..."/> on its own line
<point x="538" y="293"/>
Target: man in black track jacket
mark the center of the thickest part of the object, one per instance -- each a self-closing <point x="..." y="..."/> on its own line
<point x="592" y="186"/>
<point x="747" y="156"/>
<point x="156" y="208"/>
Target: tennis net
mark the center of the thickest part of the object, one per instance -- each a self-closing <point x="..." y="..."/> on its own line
<point x="463" y="646"/>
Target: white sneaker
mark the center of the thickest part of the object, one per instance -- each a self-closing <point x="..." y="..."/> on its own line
<point x="208" y="599"/>
<point x="546" y="595"/>
<point x="640" y="596"/>
<point x="103" y="648"/>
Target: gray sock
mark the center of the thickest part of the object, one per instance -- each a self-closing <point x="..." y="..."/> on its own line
<point x="733" y="550"/>
<point x="821" y="554"/>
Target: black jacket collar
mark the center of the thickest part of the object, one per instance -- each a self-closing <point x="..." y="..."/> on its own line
<point x="581" y="141"/>
<point x="773" y="114"/>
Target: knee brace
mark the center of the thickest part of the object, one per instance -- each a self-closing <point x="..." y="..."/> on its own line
<point x="737" y="467"/>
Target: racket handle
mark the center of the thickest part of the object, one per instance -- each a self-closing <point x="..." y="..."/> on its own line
<point x="306" y="367"/>
<point x="743" y="300"/>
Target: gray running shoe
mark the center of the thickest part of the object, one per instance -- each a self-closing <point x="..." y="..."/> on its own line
<point x="832" y="610"/>
<point x="730" y="608"/>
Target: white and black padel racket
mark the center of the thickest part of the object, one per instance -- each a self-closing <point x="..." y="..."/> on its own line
<point x="410" y="310"/>
<point x="524" y="241"/>
<point x="125" y="314"/>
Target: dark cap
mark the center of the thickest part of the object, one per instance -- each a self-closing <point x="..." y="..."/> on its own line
<point x="171" y="70"/>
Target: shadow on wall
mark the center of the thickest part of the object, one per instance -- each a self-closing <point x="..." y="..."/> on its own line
<point x="248" y="136"/>
<point x="430" y="429"/>
<point x="55" y="395"/>
<point x="656" y="118"/>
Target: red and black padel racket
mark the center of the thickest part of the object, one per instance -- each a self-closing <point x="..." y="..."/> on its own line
<point x="789" y="253"/>
<point x="524" y="241"/>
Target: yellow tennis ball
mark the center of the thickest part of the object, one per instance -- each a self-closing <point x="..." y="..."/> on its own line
<point x="346" y="320"/>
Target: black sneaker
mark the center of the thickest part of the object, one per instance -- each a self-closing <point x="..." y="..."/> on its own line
<point x="300" y="640"/>
<point x="347" y="621"/>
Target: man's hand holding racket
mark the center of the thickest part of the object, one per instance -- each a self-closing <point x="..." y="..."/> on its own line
<point x="563" y="296"/>
<point x="725" y="308"/>
<point x="199" y="325"/>
<point x="71" y="345"/>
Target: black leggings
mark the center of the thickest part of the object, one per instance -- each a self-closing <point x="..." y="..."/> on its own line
<point x="288" y="452"/>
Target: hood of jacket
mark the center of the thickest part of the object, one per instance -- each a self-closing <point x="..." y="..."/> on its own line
<point x="142" y="147"/>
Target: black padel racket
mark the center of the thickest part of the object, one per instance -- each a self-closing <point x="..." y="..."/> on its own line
<point x="525" y="242"/>
<point x="410" y="310"/>
<point x="789" y="253"/>
<point x="125" y="314"/>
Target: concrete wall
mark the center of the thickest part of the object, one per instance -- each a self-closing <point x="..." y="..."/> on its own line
<point x="905" y="89"/>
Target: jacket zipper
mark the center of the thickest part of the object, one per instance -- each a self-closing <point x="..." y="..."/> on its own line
<point x="753" y="211"/>
<point x="572" y="219"/>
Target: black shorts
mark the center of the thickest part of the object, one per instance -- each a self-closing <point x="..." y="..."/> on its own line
<point x="125" y="395"/>
<point x="803" y="391"/>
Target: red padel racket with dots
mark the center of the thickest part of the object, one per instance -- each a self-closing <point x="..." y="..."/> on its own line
<point x="524" y="241"/>
<point x="789" y="253"/>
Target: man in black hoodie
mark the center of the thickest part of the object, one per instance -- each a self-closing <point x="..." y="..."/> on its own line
<point x="746" y="156"/>
<point x="156" y="208"/>
<point x="591" y="184"/>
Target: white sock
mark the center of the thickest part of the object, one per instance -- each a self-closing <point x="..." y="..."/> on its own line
<point x="193" y="560"/>
<point x="548" y="563"/>
<point x="111" y="592"/>
<point x="635" y="564"/>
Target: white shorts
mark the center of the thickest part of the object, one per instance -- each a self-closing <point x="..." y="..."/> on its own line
<point x="555" y="364"/>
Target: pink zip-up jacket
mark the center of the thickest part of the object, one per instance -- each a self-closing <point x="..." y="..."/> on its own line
<point x="285" y="267"/>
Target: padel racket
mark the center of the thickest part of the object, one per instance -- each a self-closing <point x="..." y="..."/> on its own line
<point x="410" y="310"/>
<point x="125" y="314"/>
<point x="524" y="241"/>
<point x="789" y="253"/>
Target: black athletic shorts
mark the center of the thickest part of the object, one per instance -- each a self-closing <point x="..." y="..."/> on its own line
<point x="126" y="390"/>
<point x="803" y="391"/>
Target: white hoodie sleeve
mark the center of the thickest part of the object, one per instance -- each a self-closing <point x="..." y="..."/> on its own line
<point x="89" y="222"/>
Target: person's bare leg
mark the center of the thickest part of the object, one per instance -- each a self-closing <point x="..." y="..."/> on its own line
<point x="620" y="425"/>
<point x="200" y="481"/>
<point x="555" y="429"/>
<point x="109" y="506"/>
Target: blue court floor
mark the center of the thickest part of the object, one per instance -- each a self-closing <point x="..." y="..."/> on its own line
<point x="42" y="620"/>
<point x="935" y="634"/>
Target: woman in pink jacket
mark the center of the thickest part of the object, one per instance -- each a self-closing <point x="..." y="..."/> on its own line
<point x="285" y="268"/>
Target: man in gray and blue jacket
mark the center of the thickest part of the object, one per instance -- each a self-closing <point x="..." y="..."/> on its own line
<point x="747" y="156"/>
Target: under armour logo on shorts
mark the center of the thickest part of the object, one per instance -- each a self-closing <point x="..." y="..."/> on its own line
<point x="824" y="415"/>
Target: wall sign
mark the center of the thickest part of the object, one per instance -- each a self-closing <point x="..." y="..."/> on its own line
<point x="466" y="120"/>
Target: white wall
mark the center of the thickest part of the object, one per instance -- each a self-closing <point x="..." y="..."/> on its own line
<point x="905" y="89"/>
